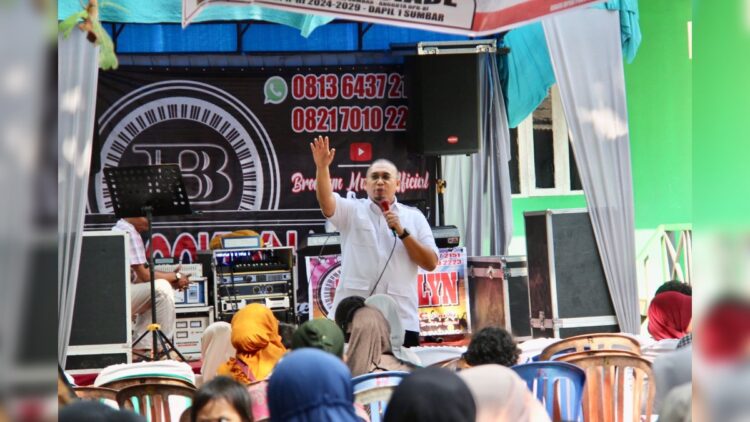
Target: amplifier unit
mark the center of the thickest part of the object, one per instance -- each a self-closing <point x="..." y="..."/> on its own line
<point x="251" y="289"/>
<point x="264" y="275"/>
<point x="235" y="303"/>
<point x="255" y="277"/>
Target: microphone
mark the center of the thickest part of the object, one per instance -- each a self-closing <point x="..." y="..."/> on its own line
<point x="385" y="206"/>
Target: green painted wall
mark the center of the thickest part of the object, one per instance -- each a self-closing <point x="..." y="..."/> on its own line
<point x="721" y="116"/>
<point x="659" y="94"/>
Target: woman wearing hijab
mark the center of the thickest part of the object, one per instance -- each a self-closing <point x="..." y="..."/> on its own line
<point x="669" y="315"/>
<point x="388" y="307"/>
<point x="216" y="348"/>
<point x="255" y="336"/>
<point x="345" y="313"/>
<point x="310" y="385"/>
<point x="320" y="333"/>
<point x="370" y="345"/>
<point x="431" y="395"/>
<point x="501" y="395"/>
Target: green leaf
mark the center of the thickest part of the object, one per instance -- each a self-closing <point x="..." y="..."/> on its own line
<point x="71" y="21"/>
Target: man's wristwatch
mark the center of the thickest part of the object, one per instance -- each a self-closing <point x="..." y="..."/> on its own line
<point x="404" y="235"/>
<point x="178" y="276"/>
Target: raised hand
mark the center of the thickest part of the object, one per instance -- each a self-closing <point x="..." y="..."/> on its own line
<point x="322" y="154"/>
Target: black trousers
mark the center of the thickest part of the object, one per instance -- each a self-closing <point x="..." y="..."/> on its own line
<point x="411" y="339"/>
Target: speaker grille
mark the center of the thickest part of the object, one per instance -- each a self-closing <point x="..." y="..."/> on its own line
<point x="444" y="103"/>
<point x="99" y="316"/>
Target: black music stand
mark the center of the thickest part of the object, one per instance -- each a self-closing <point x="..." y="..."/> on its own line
<point x="149" y="191"/>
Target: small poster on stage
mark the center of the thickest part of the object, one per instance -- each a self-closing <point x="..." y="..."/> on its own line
<point x="323" y="274"/>
<point x="443" y="296"/>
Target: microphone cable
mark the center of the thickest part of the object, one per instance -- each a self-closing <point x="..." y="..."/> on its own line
<point x="393" y="248"/>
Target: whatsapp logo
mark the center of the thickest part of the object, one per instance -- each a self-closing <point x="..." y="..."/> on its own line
<point x="275" y="90"/>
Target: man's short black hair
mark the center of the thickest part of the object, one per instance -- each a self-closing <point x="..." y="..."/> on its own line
<point x="492" y="345"/>
<point x="675" y="286"/>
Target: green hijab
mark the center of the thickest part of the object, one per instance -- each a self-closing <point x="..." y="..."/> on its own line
<point x="320" y="333"/>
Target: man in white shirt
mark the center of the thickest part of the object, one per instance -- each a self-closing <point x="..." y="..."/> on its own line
<point x="382" y="241"/>
<point x="140" y="289"/>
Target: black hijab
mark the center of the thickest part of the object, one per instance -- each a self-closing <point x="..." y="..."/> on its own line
<point x="431" y="395"/>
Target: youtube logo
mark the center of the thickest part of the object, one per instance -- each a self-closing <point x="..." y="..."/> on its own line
<point x="360" y="151"/>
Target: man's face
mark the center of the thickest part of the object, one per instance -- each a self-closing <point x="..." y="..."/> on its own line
<point x="382" y="182"/>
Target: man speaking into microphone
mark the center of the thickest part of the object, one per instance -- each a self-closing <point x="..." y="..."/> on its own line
<point x="382" y="241"/>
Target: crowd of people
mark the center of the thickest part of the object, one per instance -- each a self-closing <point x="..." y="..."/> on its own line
<point x="313" y="380"/>
<point x="257" y="368"/>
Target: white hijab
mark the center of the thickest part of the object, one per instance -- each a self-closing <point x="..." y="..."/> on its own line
<point x="502" y="396"/>
<point x="216" y="348"/>
<point x="388" y="307"/>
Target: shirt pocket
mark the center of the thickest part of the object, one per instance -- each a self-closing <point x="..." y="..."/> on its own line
<point x="363" y="234"/>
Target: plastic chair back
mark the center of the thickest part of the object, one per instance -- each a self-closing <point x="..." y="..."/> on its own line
<point x="156" y="402"/>
<point x="586" y="342"/>
<point x="105" y="395"/>
<point x="558" y="385"/>
<point x="617" y="384"/>
<point x="373" y="391"/>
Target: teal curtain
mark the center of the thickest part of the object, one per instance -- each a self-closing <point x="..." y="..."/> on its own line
<point x="170" y="11"/>
<point x="527" y="70"/>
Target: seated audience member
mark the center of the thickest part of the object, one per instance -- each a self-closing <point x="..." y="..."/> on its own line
<point x="286" y="331"/>
<point x="671" y="370"/>
<point x="221" y="399"/>
<point x="255" y="337"/>
<point x="492" y="345"/>
<point x="669" y="315"/>
<point x="320" y="333"/>
<point x="311" y="385"/>
<point x="675" y="286"/>
<point x="94" y="411"/>
<point x="345" y="313"/>
<point x="501" y="395"/>
<point x="370" y="345"/>
<point x="389" y="308"/>
<point x="216" y="348"/>
<point x="431" y="395"/>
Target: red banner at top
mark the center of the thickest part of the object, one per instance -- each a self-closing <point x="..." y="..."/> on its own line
<point x="464" y="17"/>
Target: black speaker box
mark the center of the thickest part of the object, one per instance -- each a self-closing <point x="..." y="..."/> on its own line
<point x="567" y="287"/>
<point x="100" y="332"/>
<point x="444" y="103"/>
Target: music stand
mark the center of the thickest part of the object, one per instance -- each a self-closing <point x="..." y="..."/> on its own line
<point x="149" y="191"/>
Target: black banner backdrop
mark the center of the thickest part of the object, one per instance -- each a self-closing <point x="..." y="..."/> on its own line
<point x="241" y="138"/>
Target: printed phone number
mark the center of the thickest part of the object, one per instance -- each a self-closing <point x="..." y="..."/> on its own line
<point x="331" y="86"/>
<point x="349" y="119"/>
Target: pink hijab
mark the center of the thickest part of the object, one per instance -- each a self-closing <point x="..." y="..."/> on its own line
<point x="502" y="396"/>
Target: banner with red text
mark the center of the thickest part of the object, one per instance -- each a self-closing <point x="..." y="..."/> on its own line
<point x="443" y="293"/>
<point x="241" y="138"/>
<point x="443" y="296"/>
<point x="464" y="17"/>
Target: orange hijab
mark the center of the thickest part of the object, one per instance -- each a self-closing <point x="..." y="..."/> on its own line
<point x="255" y="336"/>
